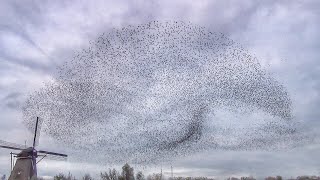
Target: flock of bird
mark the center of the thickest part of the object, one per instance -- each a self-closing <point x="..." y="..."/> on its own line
<point x="162" y="90"/>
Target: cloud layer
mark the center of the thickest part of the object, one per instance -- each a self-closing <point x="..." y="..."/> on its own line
<point x="36" y="36"/>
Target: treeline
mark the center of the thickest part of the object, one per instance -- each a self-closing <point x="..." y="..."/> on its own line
<point x="278" y="178"/>
<point x="127" y="173"/>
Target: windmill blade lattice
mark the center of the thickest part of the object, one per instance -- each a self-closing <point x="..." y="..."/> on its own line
<point x="8" y="145"/>
<point x="52" y="155"/>
<point x="37" y="130"/>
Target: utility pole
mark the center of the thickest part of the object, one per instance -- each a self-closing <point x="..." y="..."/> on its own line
<point x="161" y="173"/>
<point x="171" y="173"/>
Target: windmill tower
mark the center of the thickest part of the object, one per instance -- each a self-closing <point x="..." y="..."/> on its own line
<point x="25" y="167"/>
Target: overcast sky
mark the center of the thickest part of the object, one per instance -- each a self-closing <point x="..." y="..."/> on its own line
<point x="36" y="36"/>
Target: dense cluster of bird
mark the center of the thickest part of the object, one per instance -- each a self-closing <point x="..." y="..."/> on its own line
<point x="160" y="90"/>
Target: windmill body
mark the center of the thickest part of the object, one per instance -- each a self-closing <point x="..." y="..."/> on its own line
<point x="25" y="167"/>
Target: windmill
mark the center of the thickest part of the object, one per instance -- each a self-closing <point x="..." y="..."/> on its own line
<point x="26" y="163"/>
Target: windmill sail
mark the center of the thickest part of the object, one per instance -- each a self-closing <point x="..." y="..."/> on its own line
<point x="52" y="153"/>
<point x="37" y="130"/>
<point x="8" y="145"/>
<point x="52" y="156"/>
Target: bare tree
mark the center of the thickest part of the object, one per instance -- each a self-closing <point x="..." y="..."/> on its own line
<point x="87" y="177"/>
<point x="60" y="176"/>
<point x="127" y="172"/>
<point x="111" y="175"/>
<point x="155" y="176"/>
<point x="140" y="176"/>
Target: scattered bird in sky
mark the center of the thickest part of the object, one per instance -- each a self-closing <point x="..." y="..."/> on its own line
<point x="151" y="92"/>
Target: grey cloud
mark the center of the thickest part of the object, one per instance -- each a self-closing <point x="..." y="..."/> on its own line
<point x="12" y="100"/>
<point x="259" y="164"/>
